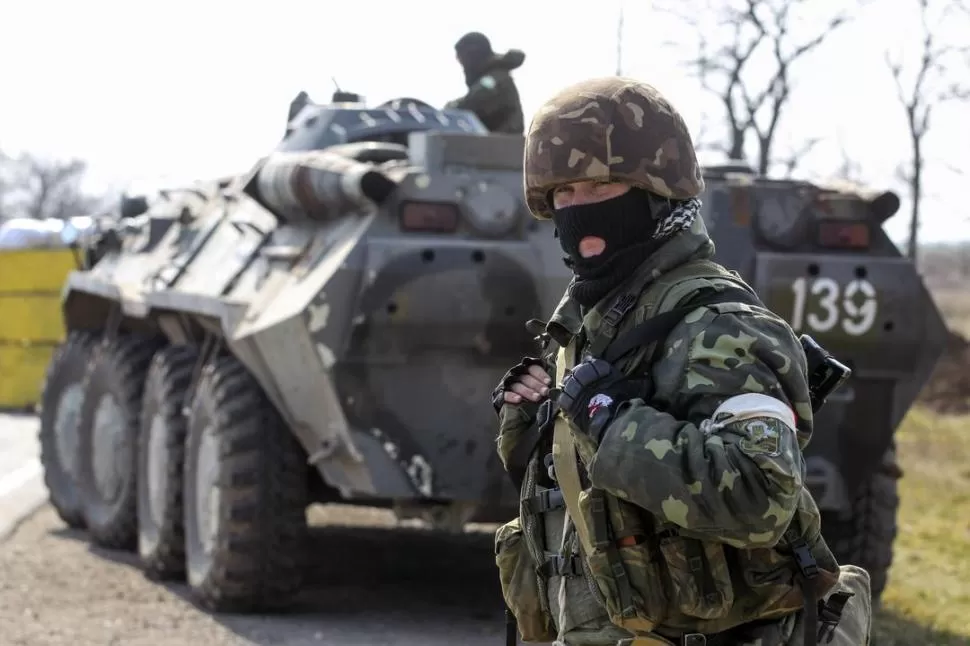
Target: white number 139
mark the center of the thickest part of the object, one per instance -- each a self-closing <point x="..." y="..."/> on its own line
<point x="856" y="319"/>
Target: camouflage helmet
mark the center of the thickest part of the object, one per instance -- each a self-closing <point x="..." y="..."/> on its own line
<point x="609" y="128"/>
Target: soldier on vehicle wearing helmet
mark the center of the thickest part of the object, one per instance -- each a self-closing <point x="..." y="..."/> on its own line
<point x="492" y="94"/>
<point x="657" y="442"/>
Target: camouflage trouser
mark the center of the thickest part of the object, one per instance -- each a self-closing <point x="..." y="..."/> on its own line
<point x="852" y="630"/>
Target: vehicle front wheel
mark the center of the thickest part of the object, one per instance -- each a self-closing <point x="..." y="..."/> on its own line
<point x="245" y="496"/>
<point x="60" y="423"/>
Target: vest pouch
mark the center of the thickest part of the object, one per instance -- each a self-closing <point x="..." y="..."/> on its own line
<point x="850" y="626"/>
<point x="627" y="572"/>
<point x="854" y="626"/>
<point x="770" y="574"/>
<point x="520" y="584"/>
<point x="700" y="581"/>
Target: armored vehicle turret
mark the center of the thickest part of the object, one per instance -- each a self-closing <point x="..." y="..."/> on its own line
<point x="329" y="325"/>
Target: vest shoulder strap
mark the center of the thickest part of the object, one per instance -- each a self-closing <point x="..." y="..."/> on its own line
<point x="634" y="293"/>
<point x="665" y="317"/>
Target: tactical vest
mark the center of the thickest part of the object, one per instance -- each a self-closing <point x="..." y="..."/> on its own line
<point x="652" y="578"/>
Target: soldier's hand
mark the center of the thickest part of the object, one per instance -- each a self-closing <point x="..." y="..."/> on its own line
<point x="590" y="394"/>
<point x="527" y="381"/>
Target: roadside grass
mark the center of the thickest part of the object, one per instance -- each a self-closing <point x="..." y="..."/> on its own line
<point x="954" y="304"/>
<point x="927" y="601"/>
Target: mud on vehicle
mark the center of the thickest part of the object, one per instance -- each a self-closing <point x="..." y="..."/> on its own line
<point x="328" y="327"/>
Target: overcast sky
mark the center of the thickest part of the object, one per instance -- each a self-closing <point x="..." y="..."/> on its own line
<point x="156" y="92"/>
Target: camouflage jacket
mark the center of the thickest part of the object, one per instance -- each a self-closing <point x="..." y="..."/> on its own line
<point x="494" y="97"/>
<point x="734" y="489"/>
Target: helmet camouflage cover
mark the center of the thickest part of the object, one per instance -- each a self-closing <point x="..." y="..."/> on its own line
<point x="612" y="129"/>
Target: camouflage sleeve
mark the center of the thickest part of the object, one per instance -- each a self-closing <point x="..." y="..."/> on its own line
<point x="516" y="420"/>
<point x="487" y="97"/>
<point x="738" y="482"/>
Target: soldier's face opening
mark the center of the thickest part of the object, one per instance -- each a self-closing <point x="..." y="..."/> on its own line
<point x="583" y="193"/>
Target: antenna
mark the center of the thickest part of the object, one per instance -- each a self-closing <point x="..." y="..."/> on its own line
<point x="619" y="42"/>
<point x="335" y="84"/>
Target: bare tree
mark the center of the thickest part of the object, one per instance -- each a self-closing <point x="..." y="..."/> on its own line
<point x="753" y="103"/>
<point x="619" y="42"/>
<point x="8" y="182"/>
<point x="40" y="188"/>
<point x="932" y="84"/>
<point x="848" y="169"/>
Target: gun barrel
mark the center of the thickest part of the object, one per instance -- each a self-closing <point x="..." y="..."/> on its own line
<point x="320" y="185"/>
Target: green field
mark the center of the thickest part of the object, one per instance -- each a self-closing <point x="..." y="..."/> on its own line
<point x="928" y="598"/>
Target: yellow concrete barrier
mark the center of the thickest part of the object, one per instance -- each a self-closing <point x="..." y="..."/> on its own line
<point x="31" y="323"/>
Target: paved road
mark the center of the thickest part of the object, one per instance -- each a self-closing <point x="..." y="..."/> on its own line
<point x="371" y="583"/>
<point x="369" y="586"/>
<point x="21" y="483"/>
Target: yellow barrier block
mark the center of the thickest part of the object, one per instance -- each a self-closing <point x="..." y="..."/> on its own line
<point x="34" y="318"/>
<point x="31" y="323"/>
<point x="22" y="374"/>
<point x="34" y="270"/>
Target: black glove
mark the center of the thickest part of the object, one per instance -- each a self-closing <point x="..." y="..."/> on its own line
<point x="591" y="393"/>
<point x="513" y="375"/>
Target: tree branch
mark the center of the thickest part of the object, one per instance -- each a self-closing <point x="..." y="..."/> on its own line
<point x="791" y="163"/>
<point x="931" y="86"/>
<point x="37" y="188"/>
<point x="749" y="28"/>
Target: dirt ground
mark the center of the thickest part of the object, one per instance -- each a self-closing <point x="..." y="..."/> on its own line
<point x="369" y="585"/>
<point x="948" y="391"/>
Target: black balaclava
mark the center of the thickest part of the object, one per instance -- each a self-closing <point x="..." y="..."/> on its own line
<point x="627" y="223"/>
<point x="475" y="54"/>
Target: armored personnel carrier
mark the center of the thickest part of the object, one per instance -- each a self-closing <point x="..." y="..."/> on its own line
<point x="325" y="327"/>
<point x="328" y="327"/>
<point x="818" y="256"/>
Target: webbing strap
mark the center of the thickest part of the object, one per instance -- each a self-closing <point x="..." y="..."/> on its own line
<point x="657" y="327"/>
<point x="806" y="577"/>
<point x="600" y="535"/>
<point x="633" y="292"/>
<point x="545" y="501"/>
<point x="565" y="460"/>
<point x="564" y="455"/>
<point x="511" y="628"/>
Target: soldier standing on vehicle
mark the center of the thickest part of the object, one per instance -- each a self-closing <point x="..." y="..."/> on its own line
<point x="299" y="102"/>
<point x="662" y="484"/>
<point x="492" y="94"/>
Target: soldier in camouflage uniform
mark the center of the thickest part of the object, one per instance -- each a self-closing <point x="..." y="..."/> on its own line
<point x="492" y="94"/>
<point x="662" y="484"/>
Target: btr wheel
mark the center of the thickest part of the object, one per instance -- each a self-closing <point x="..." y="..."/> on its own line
<point x="246" y="495"/>
<point x="161" y="457"/>
<point x="864" y="535"/>
<point x="111" y="411"/>
<point x="60" y="423"/>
